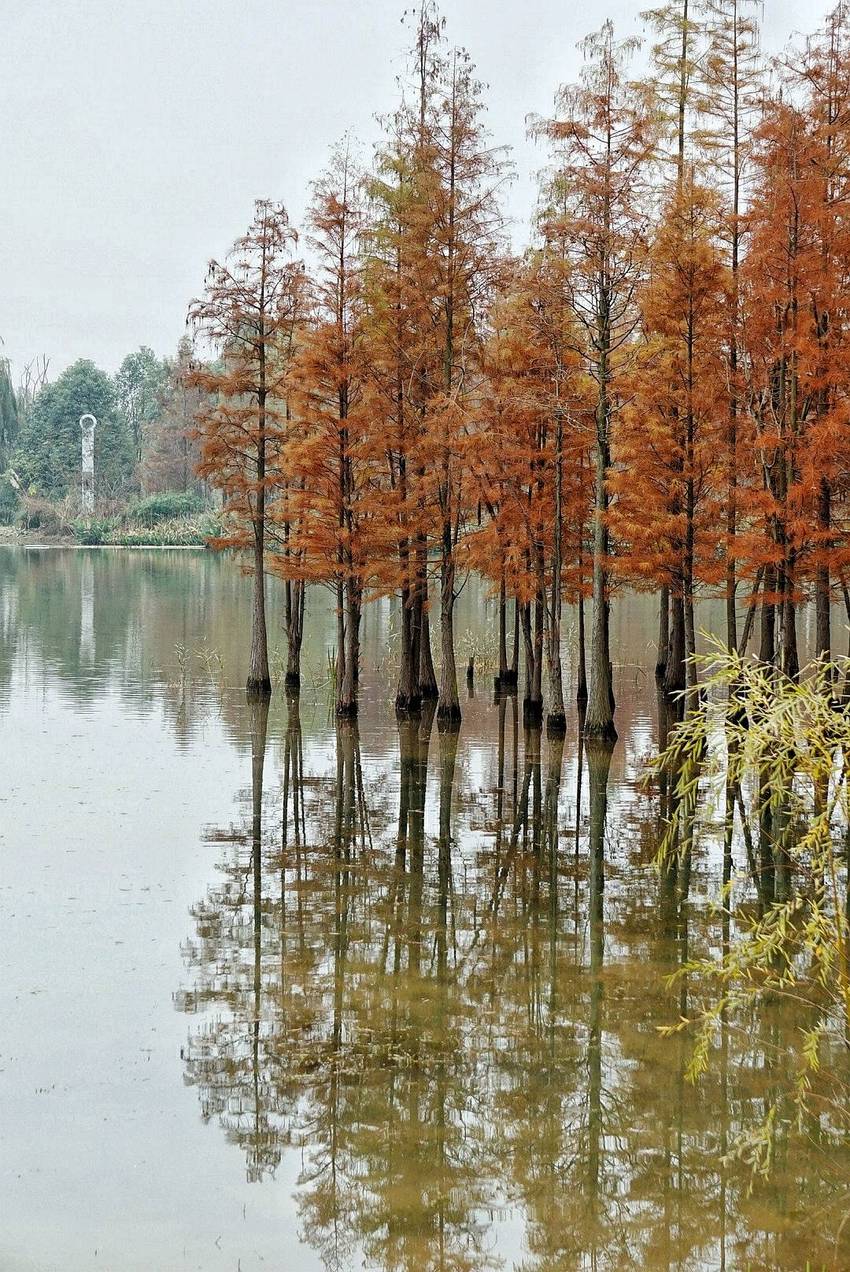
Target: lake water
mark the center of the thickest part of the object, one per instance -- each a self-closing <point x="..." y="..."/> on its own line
<point x="278" y="995"/>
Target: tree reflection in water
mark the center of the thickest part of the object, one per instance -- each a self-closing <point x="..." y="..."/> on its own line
<point x="441" y="985"/>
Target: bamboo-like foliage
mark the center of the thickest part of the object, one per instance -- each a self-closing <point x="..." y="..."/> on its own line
<point x="780" y="746"/>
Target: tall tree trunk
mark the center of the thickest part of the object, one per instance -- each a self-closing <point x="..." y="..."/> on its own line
<point x="767" y="626"/>
<point x="691" y="676"/>
<point x="823" y="643"/>
<point x="749" y="618"/>
<point x="448" y="705"/>
<point x="581" y="688"/>
<point x="346" y="701"/>
<point x="732" y="520"/>
<point x="428" y="689"/>
<point x="663" y="631"/>
<point x="532" y="703"/>
<point x="340" y="669"/>
<point x="790" y="655"/>
<point x="531" y="671"/>
<point x="295" y="593"/>
<point x="599" y="721"/>
<point x="259" y="680"/>
<point x="501" y="676"/>
<point x="732" y="477"/>
<point x="556" y="720"/>
<point x="674" y="676"/>
<point x="510" y="679"/>
<point x="356" y="613"/>
<point x="408" y="698"/>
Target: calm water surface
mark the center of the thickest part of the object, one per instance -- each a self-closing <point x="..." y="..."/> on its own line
<point x="277" y="995"/>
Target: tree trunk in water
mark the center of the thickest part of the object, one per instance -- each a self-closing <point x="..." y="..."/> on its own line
<point x="340" y="670"/>
<point x="346" y="700"/>
<point x="408" y="700"/>
<point x="790" y="656"/>
<point x="355" y="614"/>
<point x="448" y="705"/>
<point x="514" y="672"/>
<point x="556" y="718"/>
<point x="731" y="585"/>
<point x="295" y="599"/>
<point x="663" y="631"/>
<point x="501" y="677"/>
<point x="823" y="643"/>
<point x="259" y="681"/>
<point x="691" y="675"/>
<point x="691" y="670"/>
<point x="767" y="635"/>
<point x="528" y="649"/>
<point x="749" y="619"/>
<point x="427" y="678"/>
<point x="599" y="721"/>
<point x="674" y="675"/>
<point x="532" y="703"/>
<point x="581" y="690"/>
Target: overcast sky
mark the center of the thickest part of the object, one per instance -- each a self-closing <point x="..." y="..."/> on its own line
<point x="135" y="136"/>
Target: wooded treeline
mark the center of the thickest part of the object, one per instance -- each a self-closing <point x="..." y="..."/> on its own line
<point x="144" y="443"/>
<point x="654" y="394"/>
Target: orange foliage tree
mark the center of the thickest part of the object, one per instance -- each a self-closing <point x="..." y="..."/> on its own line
<point x="604" y="137"/>
<point x="654" y="394"/>
<point x="327" y="469"/>
<point x="251" y="303"/>
<point x="434" y="256"/>
<point x="672" y="431"/>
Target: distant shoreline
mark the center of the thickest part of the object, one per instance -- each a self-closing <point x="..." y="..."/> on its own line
<point x="33" y="545"/>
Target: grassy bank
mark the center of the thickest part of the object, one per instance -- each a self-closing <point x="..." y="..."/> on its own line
<point x="169" y="519"/>
<point x="174" y="532"/>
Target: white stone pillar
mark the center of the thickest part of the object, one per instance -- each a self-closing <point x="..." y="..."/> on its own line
<point x="88" y="423"/>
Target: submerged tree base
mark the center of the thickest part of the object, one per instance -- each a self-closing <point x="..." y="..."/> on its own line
<point x="292" y="682"/>
<point x="449" y="717"/>
<point x="258" y="688"/>
<point x="505" y="682"/>
<point x="532" y="712"/>
<point x="408" y="704"/>
<point x="556" y="724"/>
<point x="602" y="731"/>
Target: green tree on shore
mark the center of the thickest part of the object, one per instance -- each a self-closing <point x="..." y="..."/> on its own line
<point x="47" y="457"/>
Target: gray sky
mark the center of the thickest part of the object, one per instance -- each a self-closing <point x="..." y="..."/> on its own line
<point x="135" y="136"/>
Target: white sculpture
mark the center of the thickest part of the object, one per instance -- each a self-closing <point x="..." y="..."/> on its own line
<point x="88" y="423"/>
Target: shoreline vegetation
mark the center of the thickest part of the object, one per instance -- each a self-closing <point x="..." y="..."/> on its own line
<point x="165" y="520"/>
